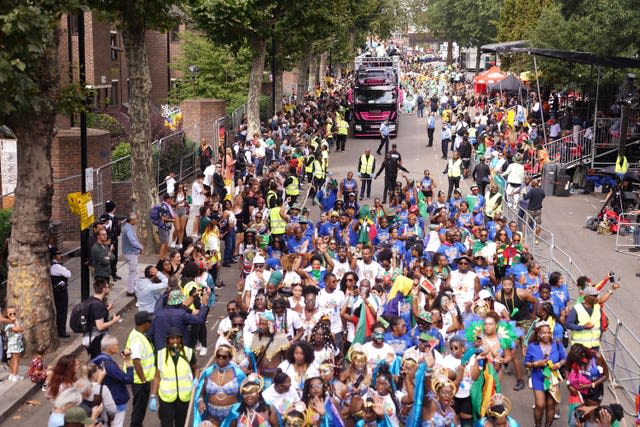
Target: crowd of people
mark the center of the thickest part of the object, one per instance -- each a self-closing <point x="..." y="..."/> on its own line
<point x="402" y="311"/>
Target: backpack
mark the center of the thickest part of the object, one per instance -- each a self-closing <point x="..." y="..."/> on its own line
<point x="154" y="215"/>
<point x="80" y="319"/>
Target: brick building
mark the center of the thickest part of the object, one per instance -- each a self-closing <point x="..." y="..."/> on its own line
<point x="106" y="65"/>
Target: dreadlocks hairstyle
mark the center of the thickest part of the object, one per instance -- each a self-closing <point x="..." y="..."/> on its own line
<point x="327" y="337"/>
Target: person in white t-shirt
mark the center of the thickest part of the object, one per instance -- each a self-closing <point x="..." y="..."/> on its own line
<point x="255" y="281"/>
<point x="330" y="300"/>
<point x="376" y="349"/>
<point x="287" y="320"/>
<point x="465" y="284"/>
<point x="197" y="200"/>
<point x="209" y="172"/>
<point x="463" y="376"/>
<point x="367" y="268"/>
<point x="171" y="182"/>
<point x="494" y="305"/>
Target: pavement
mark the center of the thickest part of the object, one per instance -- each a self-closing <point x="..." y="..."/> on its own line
<point x="565" y="217"/>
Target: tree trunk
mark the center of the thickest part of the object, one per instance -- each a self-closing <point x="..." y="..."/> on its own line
<point x="478" y="58"/>
<point x="313" y="72"/>
<point x="279" y="87"/>
<point x="29" y="280"/>
<point x="145" y="193"/>
<point x="322" y="69"/>
<point x="449" y="52"/>
<point x="255" y="86"/>
<point x="303" y="77"/>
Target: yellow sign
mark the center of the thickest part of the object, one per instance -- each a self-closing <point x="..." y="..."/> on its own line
<point x="82" y="205"/>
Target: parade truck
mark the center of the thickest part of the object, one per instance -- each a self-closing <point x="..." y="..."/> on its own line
<point x="376" y="94"/>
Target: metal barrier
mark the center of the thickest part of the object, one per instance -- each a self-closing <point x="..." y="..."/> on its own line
<point x="619" y="344"/>
<point x="237" y="116"/>
<point x="628" y="234"/>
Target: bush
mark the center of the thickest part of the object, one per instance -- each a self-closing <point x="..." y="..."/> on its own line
<point x="121" y="171"/>
<point x="106" y="122"/>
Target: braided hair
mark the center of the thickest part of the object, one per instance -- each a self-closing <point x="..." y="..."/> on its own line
<point x="327" y="336"/>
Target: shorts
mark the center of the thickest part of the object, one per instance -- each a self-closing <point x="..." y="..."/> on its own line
<point x="164" y="235"/>
<point x="180" y="211"/>
<point x="427" y="193"/>
<point x="462" y="405"/>
<point x="466" y="163"/>
<point x="536" y="216"/>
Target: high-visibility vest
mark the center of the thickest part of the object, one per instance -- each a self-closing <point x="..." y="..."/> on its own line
<point x="147" y="359"/>
<point x="621" y="169"/>
<point x="276" y="222"/>
<point x="292" y="189"/>
<point x="366" y="164"/>
<point x="587" y="337"/>
<point x="492" y="206"/>
<point x="175" y="379"/>
<point x="318" y="170"/>
<point x="186" y="291"/>
<point x="454" y="168"/>
<point x="343" y="127"/>
<point x="314" y="144"/>
<point x="309" y="167"/>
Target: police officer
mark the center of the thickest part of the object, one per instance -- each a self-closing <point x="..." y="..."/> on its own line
<point x="453" y="170"/>
<point x="366" y="166"/>
<point x="172" y="383"/>
<point x="390" y="167"/>
<point x="60" y="282"/>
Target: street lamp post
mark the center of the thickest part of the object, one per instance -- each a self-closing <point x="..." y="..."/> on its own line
<point x="84" y="234"/>
<point x="193" y="69"/>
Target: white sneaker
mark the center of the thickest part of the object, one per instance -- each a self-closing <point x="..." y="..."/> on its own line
<point x="203" y="351"/>
<point x="179" y="246"/>
<point x="16" y="378"/>
<point x="10" y="377"/>
<point x="198" y="347"/>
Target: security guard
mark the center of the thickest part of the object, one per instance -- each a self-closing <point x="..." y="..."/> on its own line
<point x="366" y="166"/>
<point x="291" y="186"/>
<point x="144" y="369"/>
<point x="272" y="195"/>
<point x="343" y="131"/>
<point x="278" y="219"/>
<point x="318" y="178"/>
<point x="308" y="167"/>
<point x="173" y="380"/>
<point x="585" y="320"/>
<point x="454" y="172"/>
<point x="493" y="203"/>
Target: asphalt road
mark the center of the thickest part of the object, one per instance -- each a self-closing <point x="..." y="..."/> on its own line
<point x="564" y="216"/>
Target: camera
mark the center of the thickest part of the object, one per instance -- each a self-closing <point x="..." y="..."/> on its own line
<point x="612" y="277"/>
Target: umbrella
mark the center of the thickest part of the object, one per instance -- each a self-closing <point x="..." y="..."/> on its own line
<point x="510" y="83"/>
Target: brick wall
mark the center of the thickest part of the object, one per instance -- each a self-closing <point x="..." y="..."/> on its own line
<point x="158" y="66"/>
<point x="199" y="115"/>
<point x="65" y="161"/>
<point x="289" y="82"/>
<point x="121" y="194"/>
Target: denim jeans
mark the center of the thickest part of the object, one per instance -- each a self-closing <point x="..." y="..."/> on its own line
<point x="229" y="245"/>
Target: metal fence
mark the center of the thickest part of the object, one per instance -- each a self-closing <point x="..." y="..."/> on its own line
<point x="619" y="344"/>
<point x="237" y="116"/>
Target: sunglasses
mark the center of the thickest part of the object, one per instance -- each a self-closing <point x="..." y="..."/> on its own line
<point x="463" y="263"/>
<point x="258" y="265"/>
<point x="237" y="325"/>
<point x="11" y="314"/>
<point x="223" y="356"/>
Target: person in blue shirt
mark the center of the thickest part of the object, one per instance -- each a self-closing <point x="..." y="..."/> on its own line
<point x="450" y="249"/>
<point x="397" y="245"/>
<point x="299" y="243"/>
<point x="382" y="232"/>
<point x="116" y="379"/>
<point x="412" y="228"/>
<point x="327" y="195"/>
<point x="544" y="295"/>
<point x="294" y="214"/>
<point x="397" y="336"/>
<point x="559" y="289"/>
<point x="307" y="228"/>
<point x="328" y="228"/>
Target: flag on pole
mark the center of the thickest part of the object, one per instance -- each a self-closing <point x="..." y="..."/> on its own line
<point x="363" y="325"/>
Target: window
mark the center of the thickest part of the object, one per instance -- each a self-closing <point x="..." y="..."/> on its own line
<point x="114" y="100"/>
<point x="72" y="23"/>
<point x="113" y="41"/>
<point x="375" y="96"/>
<point x="174" y="35"/>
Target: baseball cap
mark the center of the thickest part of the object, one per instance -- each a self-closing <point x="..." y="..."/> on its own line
<point x="258" y="259"/>
<point x="142" y="317"/>
<point x="590" y="291"/>
<point x="484" y="294"/>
